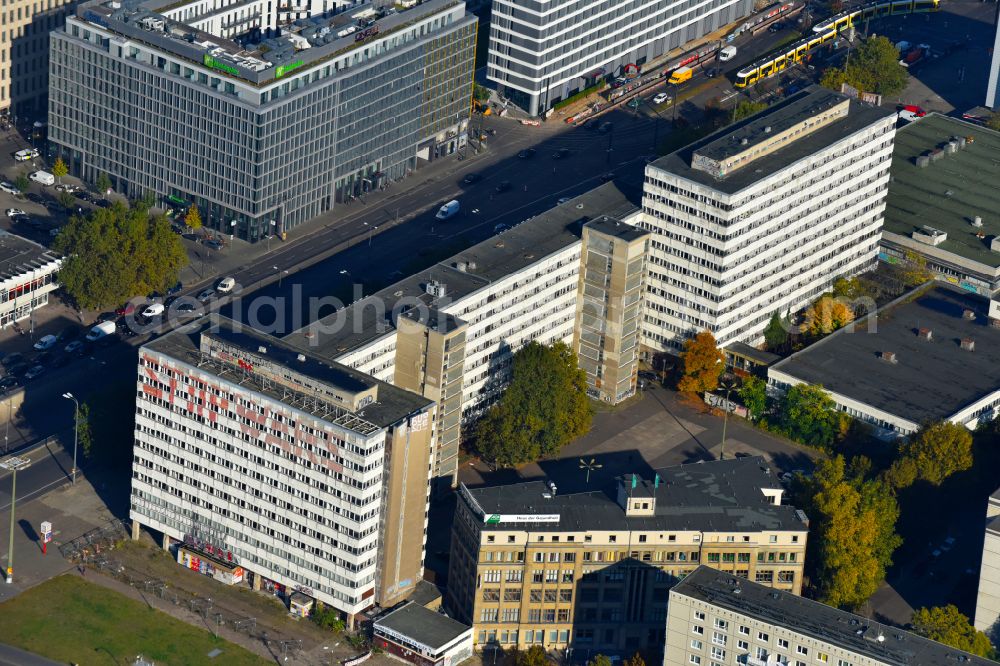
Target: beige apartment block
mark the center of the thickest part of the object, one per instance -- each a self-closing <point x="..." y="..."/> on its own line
<point x="24" y="54"/>
<point x="609" y="307"/>
<point x="593" y="570"/>
<point x="988" y="599"/>
<point x="716" y="619"/>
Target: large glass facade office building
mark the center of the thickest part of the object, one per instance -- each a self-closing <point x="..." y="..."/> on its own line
<point x="267" y="128"/>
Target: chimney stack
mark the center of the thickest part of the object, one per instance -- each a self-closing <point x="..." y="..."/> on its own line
<point x="969" y="314"/>
<point x="889" y="357"/>
<point x="968" y="344"/>
<point x="925" y="334"/>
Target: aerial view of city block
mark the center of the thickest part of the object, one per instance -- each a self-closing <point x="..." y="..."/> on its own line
<point x="500" y="332"/>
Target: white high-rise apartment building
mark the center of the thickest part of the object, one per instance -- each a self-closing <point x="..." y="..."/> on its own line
<point x="544" y="51"/>
<point x="761" y="216"/>
<point x="269" y="465"/>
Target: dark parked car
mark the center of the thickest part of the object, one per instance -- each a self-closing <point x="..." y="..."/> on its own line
<point x="213" y="244"/>
<point x="526" y="153"/>
<point x="503" y="186"/>
<point x="107" y="316"/>
<point x="8" y="383"/>
<point x="34" y="197"/>
<point x="84" y="195"/>
<point x="471" y="178"/>
<point x="561" y="153"/>
<point x="775" y="27"/>
<point x="103" y="203"/>
<point x="18" y="369"/>
<point x="605" y="177"/>
<point x="13" y="359"/>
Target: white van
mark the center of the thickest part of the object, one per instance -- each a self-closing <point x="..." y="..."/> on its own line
<point x="448" y="210"/>
<point x="43" y="177"/>
<point x="102" y="330"/>
<point x="226" y="285"/>
<point x="727" y="53"/>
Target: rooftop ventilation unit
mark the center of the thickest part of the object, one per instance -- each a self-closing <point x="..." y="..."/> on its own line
<point x="767" y="129"/>
<point x="262" y="349"/>
<point x="930" y="235"/>
<point x="925" y="334"/>
<point x="968" y="344"/>
<point x="977" y="221"/>
<point x="302" y="358"/>
<point x="436" y="289"/>
<point x="923" y="161"/>
<point x="889" y="357"/>
<point x="969" y="315"/>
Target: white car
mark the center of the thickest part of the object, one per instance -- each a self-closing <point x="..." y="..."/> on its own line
<point x="226" y="285"/>
<point x="25" y="154"/>
<point x="661" y="98"/>
<point x="46" y="343"/>
<point x="65" y="187"/>
<point x="15" y="212"/>
<point x="153" y="309"/>
<point x="9" y="188"/>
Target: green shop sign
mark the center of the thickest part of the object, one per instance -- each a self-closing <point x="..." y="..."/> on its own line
<point x="221" y="66"/>
<point x="284" y="69"/>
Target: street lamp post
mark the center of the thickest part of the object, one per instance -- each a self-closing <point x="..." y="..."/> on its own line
<point x="232" y="234"/>
<point x="76" y="430"/>
<point x="590" y="465"/>
<point x="270" y="235"/>
<point x="13" y="464"/>
<point x="727" y="383"/>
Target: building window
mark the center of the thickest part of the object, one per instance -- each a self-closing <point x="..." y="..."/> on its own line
<point x="782" y="644"/>
<point x="696" y="644"/>
<point x="721" y="624"/>
<point x="762" y="637"/>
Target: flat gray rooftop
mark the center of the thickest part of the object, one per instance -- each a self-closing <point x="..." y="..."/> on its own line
<point x="949" y="193"/>
<point x="423" y="625"/>
<point x="825" y="623"/>
<point x="391" y="405"/>
<point x="930" y="380"/>
<point x="794" y="109"/>
<point x="19" y="256"/>
<point x="712" y="496"/>
<point x="465" y="273"/>
<point x="616" y="229"/>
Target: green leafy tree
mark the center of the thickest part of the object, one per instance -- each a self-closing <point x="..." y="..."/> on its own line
<point x="533" y="656"/>
<point x="103" y="183"/>
<point x="808" y="415"/>
<point x="85" y="439"/>
<point x="746" y="108"/>
<point x="776" y="333"/>
<point x="66" y="200"/>
<point x="59" y="169"/>
<point x="146" y="201"/>
<point x="939" y="450"/>
<point x="852" y="533"/>
<point x="327" y="618"/>
<point x="544" y="407"/>
<point x="599" y="660"/>
<point x="753" y="394"/>
<point x="480" y="93"/>
<point x="193" y="217"/>
<point x="901" y="473"/>
<point x="703" y="363"/>
<point x="117" y="253"/>
<point x="873" y="67"/>
<point x="945" y="624"/>
<point x="22" y="182"/>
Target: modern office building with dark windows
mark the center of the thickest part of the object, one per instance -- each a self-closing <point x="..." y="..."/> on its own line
<point x="261" y="119"/>
<point x="544" y="51"/>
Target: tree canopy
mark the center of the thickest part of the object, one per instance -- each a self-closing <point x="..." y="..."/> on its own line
<point x="103" y="183"/>
<point x="939" y="450"/>
<point x="993" y="122"/>
<point x="746" y="108"/>
<point x="533" y="656"/>
<point x="826" y="315"/>
<point x="116" y="253"/>
<point x="703" y="363"/>
<point x="947" y="625"/>
<point x="753" y="394"/>
<point x="776" y="333"/>
<point x="599" y="660"/>
<point x="873" y="66"/>
<point x="808" y="414"/>
<point x="22" y="182"/>
<point x="59" y="169"/>
<point x="193" y="217"/>
<point x="852" y="533"/>
<point x="544" y="407"/>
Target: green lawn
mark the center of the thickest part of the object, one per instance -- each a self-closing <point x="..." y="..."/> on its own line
<point x="71" y="620"/>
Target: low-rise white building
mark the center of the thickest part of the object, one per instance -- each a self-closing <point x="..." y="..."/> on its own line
<point x="932" y="355"/>
<point x="269" y="464"/>
<point x="762" y="216"/>
<point x="716" y="618"/>
<point x="27" y="277"/>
